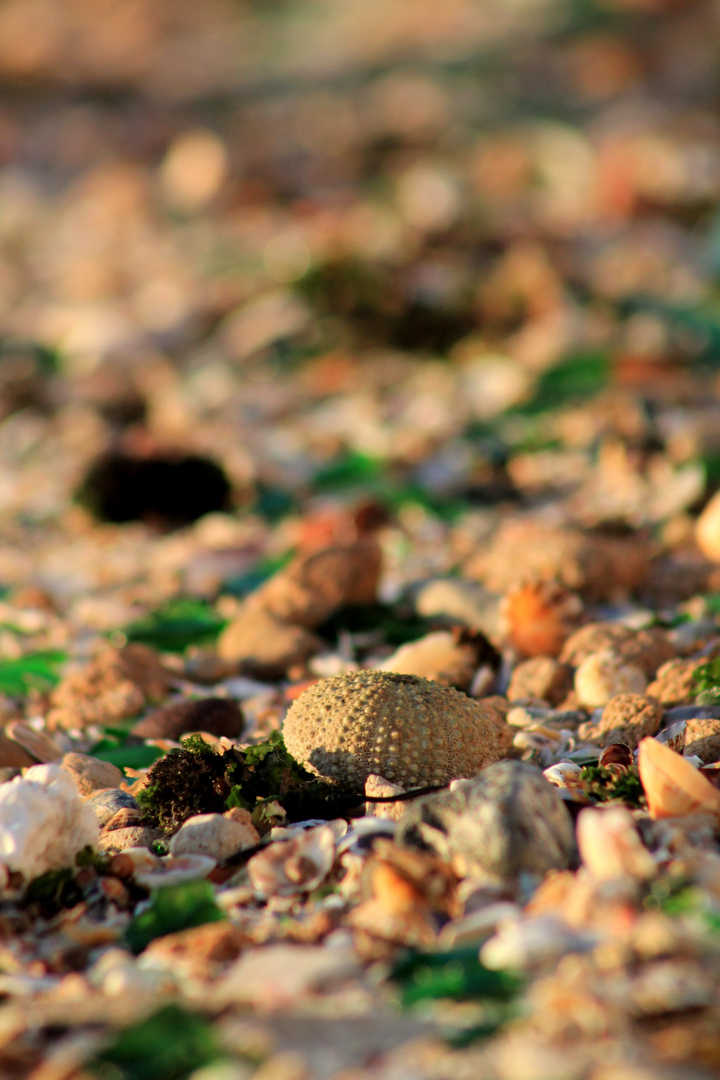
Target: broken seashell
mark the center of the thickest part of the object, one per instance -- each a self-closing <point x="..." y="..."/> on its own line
<point x="299" y="864"/>
<point x="673" y="736"/>
<point x="173" y="870"/>
<point x="565" y="775"/>
<point x="610" y="845"/>
<point x="672" y="786"/>
<point x="617" y="758"/>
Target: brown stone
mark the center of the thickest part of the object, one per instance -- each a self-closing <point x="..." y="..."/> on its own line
<point x="90" y="774"/>
<point x="702" y="738"/>
<point x="627" y="718"/>
<point x="263" y="646"/>
<point x="598" y="567"/>
<point x="675" y="682"/>
<point x="542" y="678"/>
<point x="312" y="587"/>
<point x="132" y="836"/>
<point x="218" y="716"/>
<point x="117" y="684"/>
<point x="648" y="648"/>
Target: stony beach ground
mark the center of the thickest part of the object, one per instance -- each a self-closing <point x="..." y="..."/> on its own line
<point x="359" y="540"/>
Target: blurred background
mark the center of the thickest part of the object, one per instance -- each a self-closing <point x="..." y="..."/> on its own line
<point x="445" y="255"/>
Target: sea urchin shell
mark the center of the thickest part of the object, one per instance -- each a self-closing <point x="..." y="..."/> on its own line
<point x="402" y="727"/>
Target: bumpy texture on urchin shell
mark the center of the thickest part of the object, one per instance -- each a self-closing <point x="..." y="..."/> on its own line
<point x="405" y="728"/>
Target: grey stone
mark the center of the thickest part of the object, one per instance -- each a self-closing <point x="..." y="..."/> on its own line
<point x="505" y="822"/>
<point x="107" y="803"/>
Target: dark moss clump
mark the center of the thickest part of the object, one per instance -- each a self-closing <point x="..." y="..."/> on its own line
<point x="197" y="780"/>
<point x="186" y="782"/>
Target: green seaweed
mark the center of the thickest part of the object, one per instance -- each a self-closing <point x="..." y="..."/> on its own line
<point x="169" y="1045"/>
<point x="182" y="622"/>
<point x="174" y="908"/>
<point x="604" y="785"/>
<point x="36" y="671"/>
<point x="456" y="974"/>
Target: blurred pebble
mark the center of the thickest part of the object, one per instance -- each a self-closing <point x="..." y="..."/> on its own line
<point x="90" y="774"/>
<point x="215" y="715"/>
<point x="213" y="835"/>
<point x="603" y="675"/>
<point x="107" y="804"/>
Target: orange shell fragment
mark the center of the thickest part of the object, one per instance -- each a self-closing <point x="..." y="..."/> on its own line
<point x="672" y="786"/>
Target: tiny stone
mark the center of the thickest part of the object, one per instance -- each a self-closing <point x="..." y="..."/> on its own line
<point x="603" y="675"/>
<point x="541" y="678"/>
<point x="90" y="774"/>
<point x="214" y="835"/>
<point x="702" y="737"/>
<point x="627" y="718"/>
<point x="133" y="836"/>
<point x="108" y="803"/>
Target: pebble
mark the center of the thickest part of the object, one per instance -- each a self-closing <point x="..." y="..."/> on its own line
<point x="213" y="835"/>
<point x="702" y="738"/>
<point x="438" y="656"/>
<point x="674" y="683"/>
<point x="133" y="836"/>
<point x="90" y="774"/>
<point x="312" y="587"/>
<point x="707" y="530"/>
<point x="541" y="677"/>
<point x="463" y="601"/>
<point x="215" y="715"/>
<point x="264" y="646"/>
<point x="603" y="675"/>
<point x="505" y="821"/>
<point x="627" y="718"/>
<point x="106" y="804"/>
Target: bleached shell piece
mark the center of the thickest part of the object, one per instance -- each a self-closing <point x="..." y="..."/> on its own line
<point x="672" y="786"/>
<point x="566" y="774"/>
<point x="300" y="864"/>
<point x="173" y="870"/>
<point x="43" y="821"/>
<point x="673" y="736"/>
<point x="610" y="845"/>
<point x="605" y="674"/>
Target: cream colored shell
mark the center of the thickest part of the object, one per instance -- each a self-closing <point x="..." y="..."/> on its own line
<point x="402" y="727"/>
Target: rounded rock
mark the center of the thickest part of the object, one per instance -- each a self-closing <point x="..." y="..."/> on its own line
<point x="218" y="716"/>
<point x="405" y="728"/>
<point x="106" y="804"/>
<point x="213" y="835"/>
<point x="507" y="821"/>
<point x="702" y="738"/>
<point x="627" y="718"/>
<point x="603" y="675"/>
<point x="90" y="774"/>
<point x="133" y="836"/>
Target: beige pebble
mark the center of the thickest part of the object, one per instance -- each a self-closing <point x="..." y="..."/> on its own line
<point x="214" y="835"/>
<point x="707" y="530"/>
<point x="605" y="674"/>
<point x="90" y="774"/>
<point x="131" y="837"/>
<point x="438" y="656"/>
<point x="262" y="645"/>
